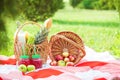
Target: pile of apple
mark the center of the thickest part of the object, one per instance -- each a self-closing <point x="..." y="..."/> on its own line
<point x="65" y="59"/>
<point x="25" y="68"/>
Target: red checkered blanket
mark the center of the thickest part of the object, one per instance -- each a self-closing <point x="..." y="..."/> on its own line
<point x="85" y="70"/>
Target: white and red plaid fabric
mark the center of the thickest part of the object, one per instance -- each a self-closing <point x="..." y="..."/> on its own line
<point x="87" y="69"/>
<point x="62" y="73"/>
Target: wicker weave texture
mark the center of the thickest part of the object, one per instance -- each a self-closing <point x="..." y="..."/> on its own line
<point x="42" y="48"/>
<point x="69" y="41"/>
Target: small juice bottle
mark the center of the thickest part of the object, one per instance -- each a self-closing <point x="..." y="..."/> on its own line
<point x="36" y="61"/>
<point x="24" y="59"/>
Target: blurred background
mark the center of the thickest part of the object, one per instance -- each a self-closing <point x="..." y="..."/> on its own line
<point x="97" y="22"/>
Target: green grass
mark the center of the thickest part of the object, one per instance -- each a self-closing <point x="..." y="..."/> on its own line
<point x="99" y="30"/>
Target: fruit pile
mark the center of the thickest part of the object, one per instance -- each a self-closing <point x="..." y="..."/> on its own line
<point x="64" y="59"/>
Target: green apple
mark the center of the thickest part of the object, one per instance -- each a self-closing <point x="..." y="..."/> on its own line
<point x="65" y="54"/>
<point x="22" y="68"/>
<point x="61" y="63"/>
<point x="30" y="67"/>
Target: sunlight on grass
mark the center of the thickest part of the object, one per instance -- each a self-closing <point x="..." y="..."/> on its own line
<point x="99" y="30"/>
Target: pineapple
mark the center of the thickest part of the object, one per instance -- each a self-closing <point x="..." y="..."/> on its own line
<point x="41" y="35"/>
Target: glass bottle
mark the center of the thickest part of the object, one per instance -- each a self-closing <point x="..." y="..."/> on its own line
<point x="36" y="61"/>
<point x="24" y="59"/>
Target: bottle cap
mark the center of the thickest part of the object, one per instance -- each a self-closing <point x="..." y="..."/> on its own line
<point x="24" y="56"/>
<point x="36" y="56"/>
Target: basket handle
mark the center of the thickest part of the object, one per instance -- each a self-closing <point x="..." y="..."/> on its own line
<point x="19" y="28"/>
<point x="72" y="42"/>
<point x="75" y="44"/>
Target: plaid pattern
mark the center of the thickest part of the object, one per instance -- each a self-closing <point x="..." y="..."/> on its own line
<point x="62" y="73"/>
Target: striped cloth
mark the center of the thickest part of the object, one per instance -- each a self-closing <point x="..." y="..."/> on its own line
<point x="64" y="73"/>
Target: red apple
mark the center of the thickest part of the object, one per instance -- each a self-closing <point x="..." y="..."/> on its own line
<point x="66" y="59"/>
<point x="53" y="63"/>
<point x="69" y="64"/>
<point x="59" y="57"/>
<point x="75" y="56"/>
<point x="72" y="58"/>
<point x="65" y="54"/>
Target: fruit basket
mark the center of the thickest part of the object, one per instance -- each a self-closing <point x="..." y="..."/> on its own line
<point x="66" y="49"/>
<point x="40" y="43"/>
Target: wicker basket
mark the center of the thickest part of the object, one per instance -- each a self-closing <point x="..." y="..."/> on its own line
<point x="69" y="41"/>
<point x="41" y="48"/>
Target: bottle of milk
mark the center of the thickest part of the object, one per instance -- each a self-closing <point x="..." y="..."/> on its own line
<point x="21" y="35"/>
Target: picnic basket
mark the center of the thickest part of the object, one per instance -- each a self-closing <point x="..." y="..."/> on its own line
<point x="42" y="48"/>
<point x="66" y="41"/>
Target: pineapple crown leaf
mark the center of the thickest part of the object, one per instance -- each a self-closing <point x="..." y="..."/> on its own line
<point x="41" y="35"/>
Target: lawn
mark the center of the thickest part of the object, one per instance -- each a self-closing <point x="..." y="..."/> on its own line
<point x="99" y="30"/>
